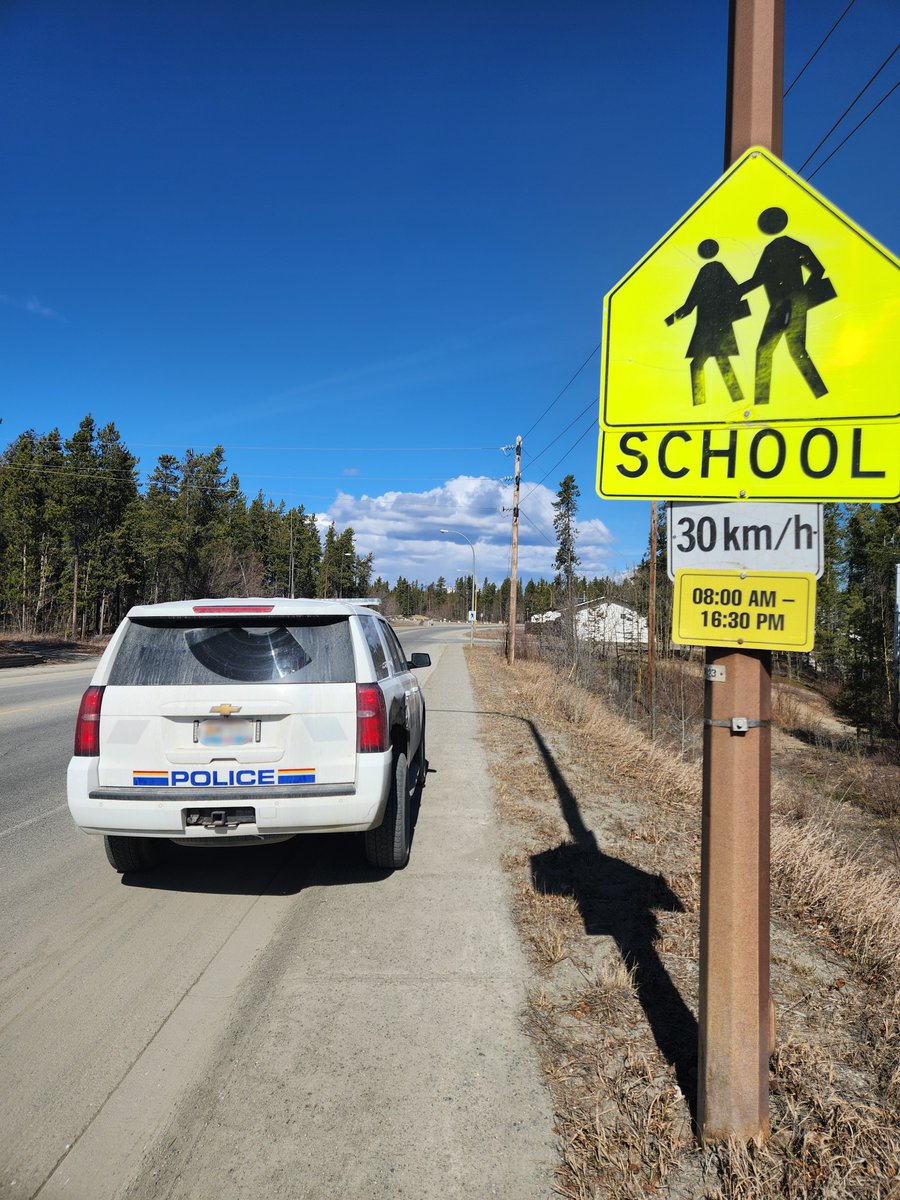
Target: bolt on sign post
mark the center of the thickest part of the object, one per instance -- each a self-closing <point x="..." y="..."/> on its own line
<point x="751" y="355"/>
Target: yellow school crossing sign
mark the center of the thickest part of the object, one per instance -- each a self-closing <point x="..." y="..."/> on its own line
<point x="754" y="352"/>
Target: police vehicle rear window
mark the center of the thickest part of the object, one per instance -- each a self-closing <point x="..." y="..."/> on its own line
<point x="157" y="651"/>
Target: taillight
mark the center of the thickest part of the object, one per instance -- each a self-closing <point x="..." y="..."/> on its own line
<point x="233" y="608"/>
<point x="371" y="720"/>
<point x="87" y="727"/>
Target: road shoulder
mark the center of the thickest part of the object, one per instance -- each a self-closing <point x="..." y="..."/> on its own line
<point x="379" y="1048"/>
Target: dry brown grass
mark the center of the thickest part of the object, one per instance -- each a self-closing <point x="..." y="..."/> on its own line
<point x="871" y="783"/>
<point x="616" y="1074"/>
<point x="626" y="751"/>
<point x="818" y="878"/>
<point x="807" y="715"/>
<point x="44" y="642"/>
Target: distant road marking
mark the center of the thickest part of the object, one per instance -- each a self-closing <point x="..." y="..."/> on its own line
<point x="9" y="678"/>
<point x="43" y="704"/>
<point x="33" y="820"/>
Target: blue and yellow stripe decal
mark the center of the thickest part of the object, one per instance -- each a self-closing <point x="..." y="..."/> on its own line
<point x="150" y="778"/>
<point x="296" y="775"/>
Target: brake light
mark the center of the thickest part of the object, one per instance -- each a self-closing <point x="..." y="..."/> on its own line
<point x="87" y="726"/>
<point x="233" y="608"/>
<point x="371" y="720"/>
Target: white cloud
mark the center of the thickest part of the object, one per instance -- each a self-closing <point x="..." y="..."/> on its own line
<point x="31" y="305"/>
<point x="34" y="306"/>
<point x="402" y="530"/>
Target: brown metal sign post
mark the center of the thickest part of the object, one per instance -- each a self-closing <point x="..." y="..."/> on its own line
<point x="735" y="1024"/>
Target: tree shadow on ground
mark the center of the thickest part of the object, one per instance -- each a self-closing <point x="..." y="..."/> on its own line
<point x="620" y="901"/>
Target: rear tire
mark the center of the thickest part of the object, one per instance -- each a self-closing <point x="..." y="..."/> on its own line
<point x="387" y="847"/>
<point x="132" y="853"/>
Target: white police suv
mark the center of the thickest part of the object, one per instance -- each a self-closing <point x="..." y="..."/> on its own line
<point x="236" y="721"/>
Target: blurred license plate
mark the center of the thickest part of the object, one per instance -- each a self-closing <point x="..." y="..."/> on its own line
<point x="225" y="733"/>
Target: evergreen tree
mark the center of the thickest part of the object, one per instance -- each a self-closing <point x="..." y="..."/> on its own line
<point x="82" y="505"/>
<point x="263" y="530"/>
<point x="565" y="507"/>
<point x="27" y="479"/>
<point x="830" y="638"/>
<point x="487" y="602"/>
<point x="872" y="542"/>
<point x="364" y="573"/>
<point x="161" y="532"/>
<point x="402" y="597"/>
<point x="203" y="506"/>
<point x="307" y="553"/>
<point x="49" y="497"/>
<point x="345" y="564"/>
<point x="117" y="546"/>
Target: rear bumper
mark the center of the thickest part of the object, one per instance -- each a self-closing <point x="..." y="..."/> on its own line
<point x="161" y="812"/>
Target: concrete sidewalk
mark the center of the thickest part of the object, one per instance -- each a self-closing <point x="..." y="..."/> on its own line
<point x="378" y="1050"/>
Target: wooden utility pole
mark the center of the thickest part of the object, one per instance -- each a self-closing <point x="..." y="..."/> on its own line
<point x="651" y="623"/>
<point x="735" y="1020"/>
<point x="514" y="560"/>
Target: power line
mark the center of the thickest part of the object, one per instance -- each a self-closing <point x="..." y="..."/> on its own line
<point x="870" y="113"/>
<point x="107" y="473"/>
<point x="72" y="471"/>
<point x="332" y="449"/>
<point x="820" y="45"/>
<point x="537" y="528"/>
<point x="859" y="95"/>
<point x="591" y="404"/>
<point x="591" y="426"/>
<point x="563" y="392"/>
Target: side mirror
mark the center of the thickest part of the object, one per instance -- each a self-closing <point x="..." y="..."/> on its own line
<point x="419" y="660"/>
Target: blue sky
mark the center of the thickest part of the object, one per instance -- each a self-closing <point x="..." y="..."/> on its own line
<point x="363" y="245"/>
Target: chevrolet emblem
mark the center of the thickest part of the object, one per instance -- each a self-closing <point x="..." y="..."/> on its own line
<point x="225" y="710"/>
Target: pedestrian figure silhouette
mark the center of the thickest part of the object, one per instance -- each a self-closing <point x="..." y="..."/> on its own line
<point x="790" y="295"/>
<point x="716" y="296"/>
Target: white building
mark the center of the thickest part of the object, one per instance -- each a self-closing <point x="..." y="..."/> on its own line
<point x="610" y="623"/>
<point x="545" y="618"/>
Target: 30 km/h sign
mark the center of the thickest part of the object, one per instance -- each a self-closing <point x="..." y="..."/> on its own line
<point x="751" y="610"/>
<point x="745" y="537"/>
<point x="767" y="316"/>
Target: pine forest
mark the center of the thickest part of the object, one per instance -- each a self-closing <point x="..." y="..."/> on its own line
<point x="81" y="541"/>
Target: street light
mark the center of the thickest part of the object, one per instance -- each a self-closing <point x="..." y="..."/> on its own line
<point x="474" y="577"/>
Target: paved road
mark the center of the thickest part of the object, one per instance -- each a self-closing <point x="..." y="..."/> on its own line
<point x="37" y="722"/>
<point x="275" y="1021"/>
